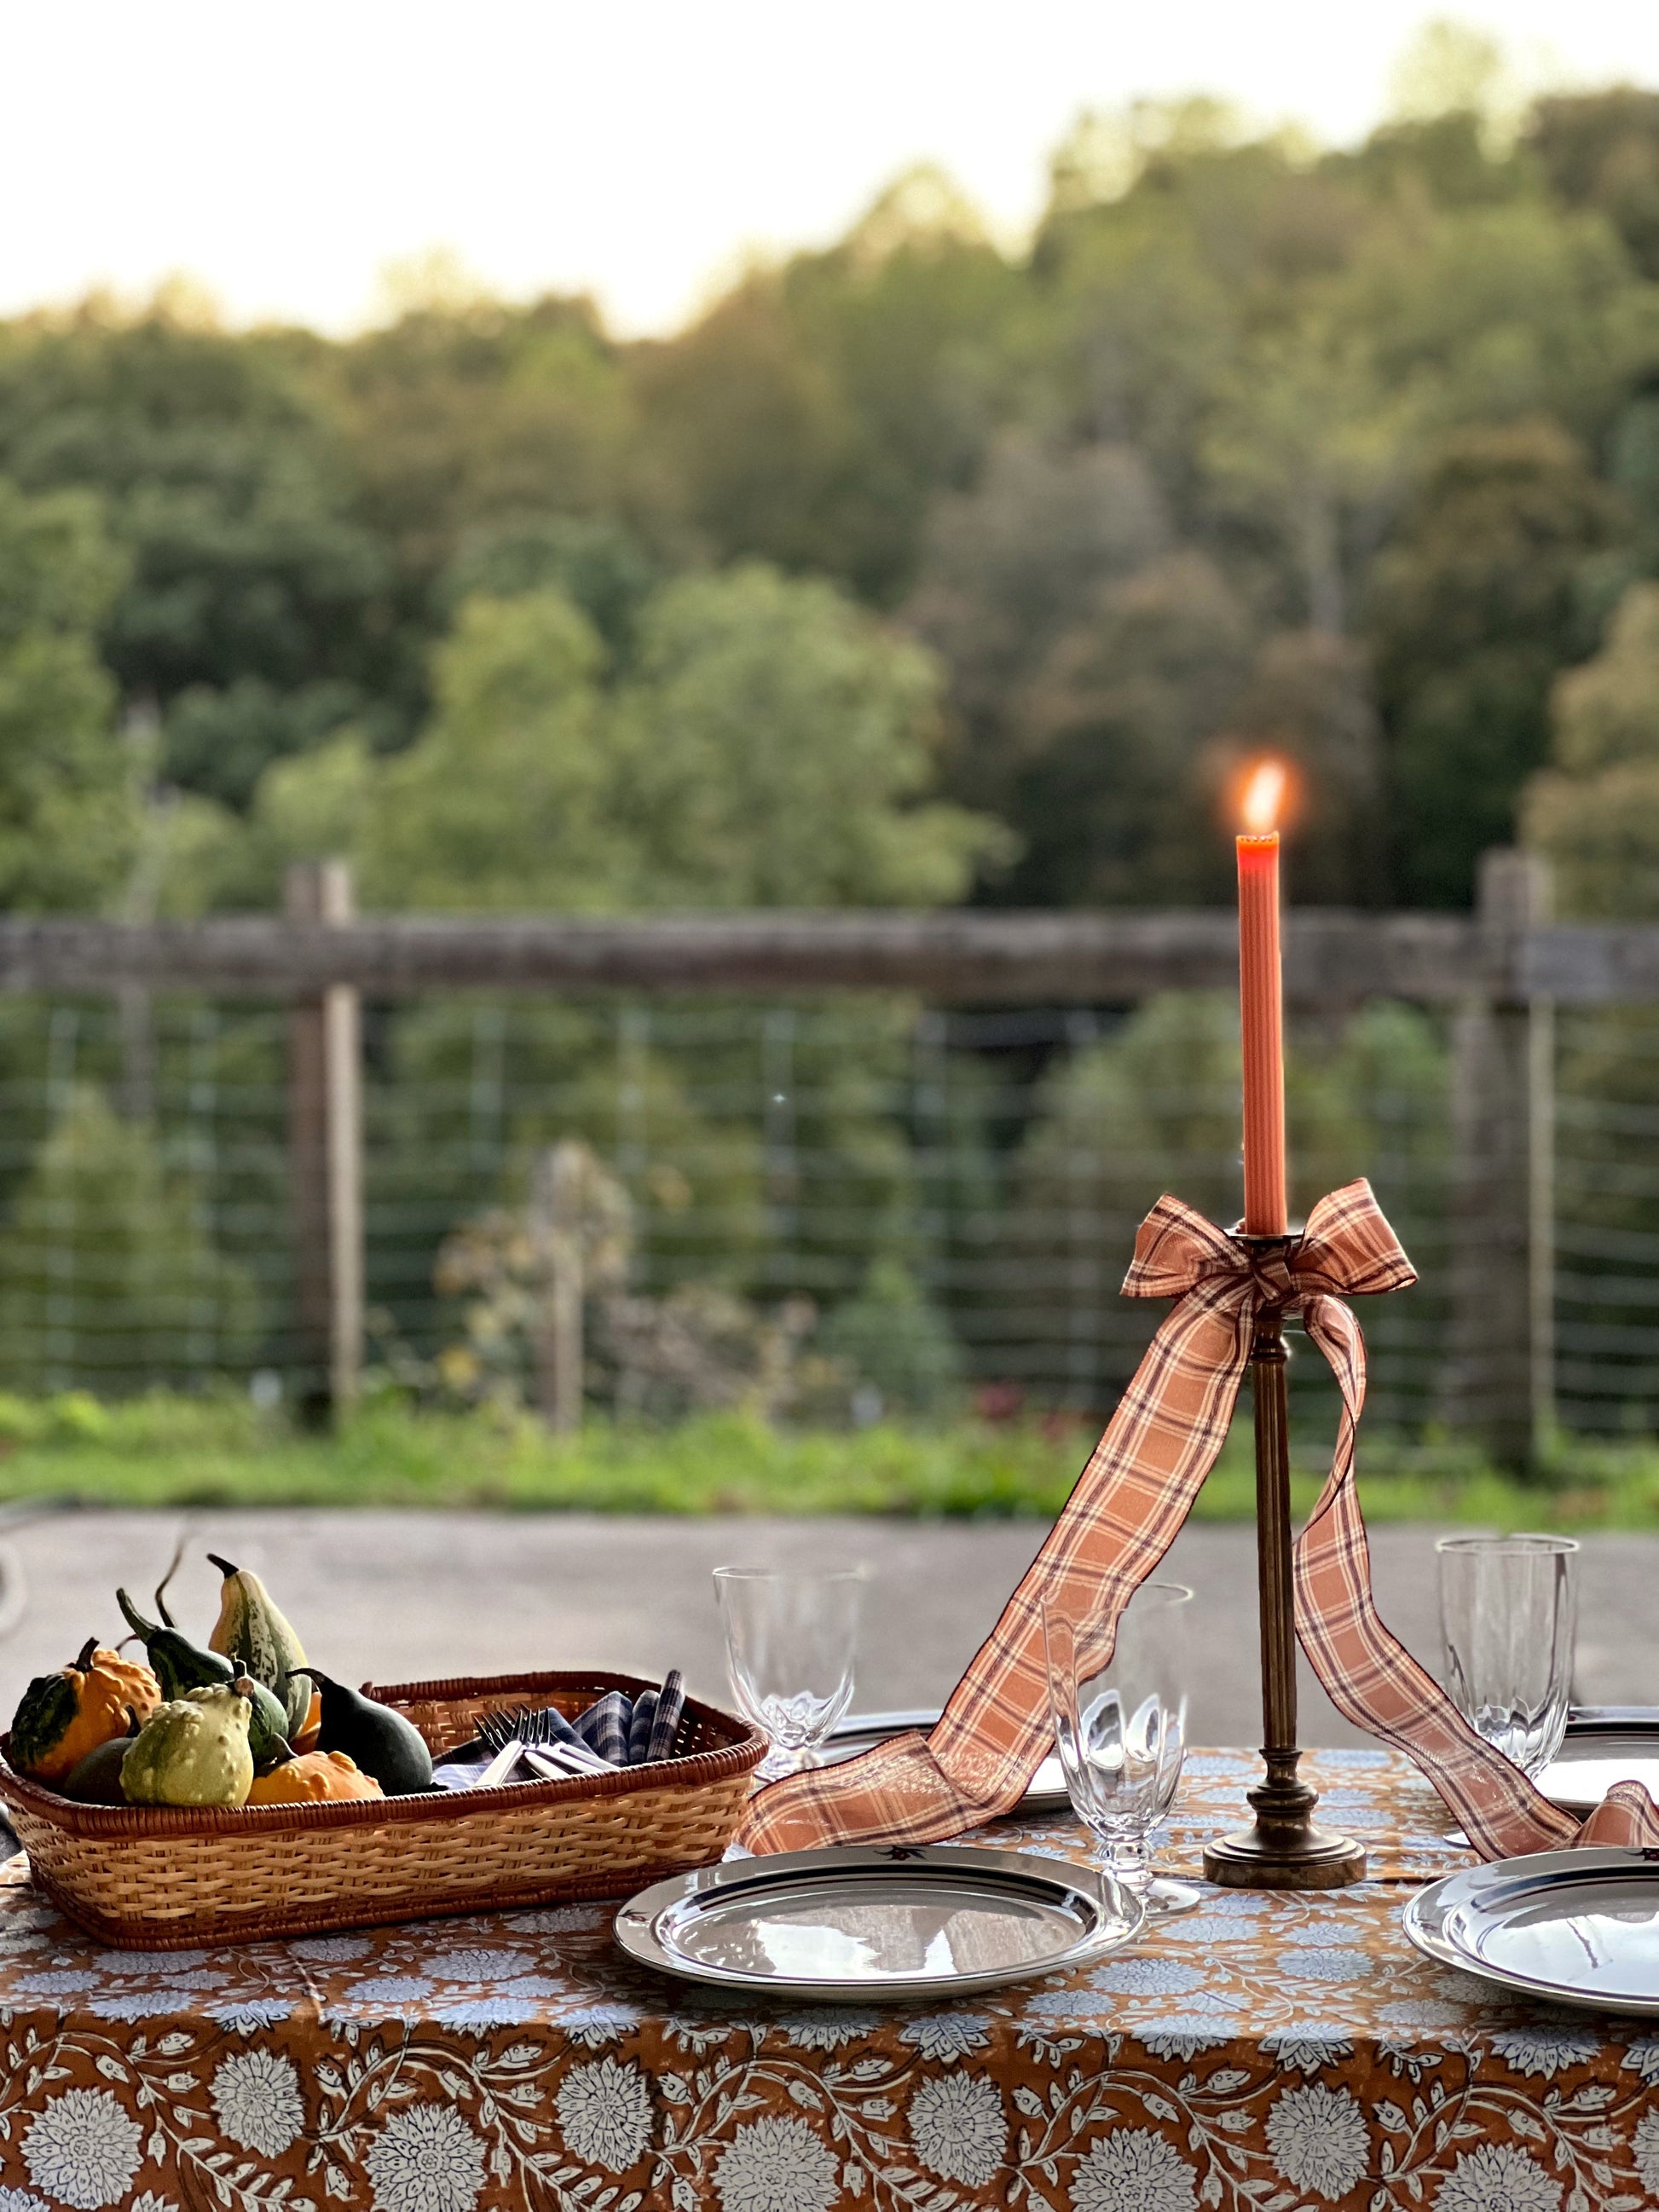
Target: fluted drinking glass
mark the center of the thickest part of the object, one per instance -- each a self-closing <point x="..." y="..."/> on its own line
<point x="791" y="1642"/>
<point x="1121" y="1733"/>
<point x="1509" y="1616"/>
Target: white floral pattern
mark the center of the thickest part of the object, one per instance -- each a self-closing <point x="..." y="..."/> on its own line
<point x="1318" y="2140"/>
<point x="944" y="2037"/>
<point x="604" y="2114"/>
<point x="22" y="2200"/>
<point x="776" y="2166"/>
<point x="1644" y="2149"/>
<point x="1132" y="2170"/>
<point x="958" y="2127"/>
<point x="256" y="2094"/>
<point x="83" y="2150"/>
<point x="426" y="2159"/>
<point x="1545" y="2050"/>
<point x="1498" y="2178"/>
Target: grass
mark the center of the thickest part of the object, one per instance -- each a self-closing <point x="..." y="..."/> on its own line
<point x="176" y="1452"/>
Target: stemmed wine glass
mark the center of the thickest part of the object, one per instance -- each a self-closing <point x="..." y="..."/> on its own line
<point x="1121" y="1732"/>
<point x="791" y="1635"/>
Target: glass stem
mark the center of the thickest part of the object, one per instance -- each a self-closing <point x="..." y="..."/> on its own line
<point x="1128" y="1860"/>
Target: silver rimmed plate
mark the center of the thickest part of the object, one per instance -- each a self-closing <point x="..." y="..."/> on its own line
<point x="1570" y="1927"/>
<point x="1047" y="1792"/>
<point x="1603" y="1744"/>
<point x="859" y="1922"/>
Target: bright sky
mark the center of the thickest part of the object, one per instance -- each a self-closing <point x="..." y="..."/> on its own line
<point x="285" y="154"/>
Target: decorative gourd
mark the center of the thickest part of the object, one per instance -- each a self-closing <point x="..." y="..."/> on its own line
<point x="181" y="1665"/>
<point x="192" y="1751"/>
<point x="61" y="1717"/>
<point x="253" y="1632"/>
<point x="382" y="1741"/>
<point x="97" y="1779"/>
<point x="314" y="1778"/>
<point x="307" y="1738"/>
<point x="266" y="1722"/>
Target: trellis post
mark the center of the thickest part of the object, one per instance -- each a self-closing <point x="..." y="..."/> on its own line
<point x="326" y="1139"/>
<point x="1500" y="1384"/>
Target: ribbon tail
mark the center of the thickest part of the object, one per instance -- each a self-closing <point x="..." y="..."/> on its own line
<point x="1128" y="1506"/>
<point x="1367" y="1672"/>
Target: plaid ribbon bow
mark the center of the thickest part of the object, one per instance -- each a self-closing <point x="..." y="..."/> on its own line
<point x="1126" y="1509"/>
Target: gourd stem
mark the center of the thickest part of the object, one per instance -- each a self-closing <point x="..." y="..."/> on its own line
<point x="85" y="1660"/>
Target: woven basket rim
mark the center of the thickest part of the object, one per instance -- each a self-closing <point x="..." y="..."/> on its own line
<point x="741" y="1754"/>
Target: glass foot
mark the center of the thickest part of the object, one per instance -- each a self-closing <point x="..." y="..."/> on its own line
<point x="1162" y="1897"/>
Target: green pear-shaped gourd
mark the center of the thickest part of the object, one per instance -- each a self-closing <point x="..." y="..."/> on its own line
<point x="266" y="1726"/>
<point x="192" y="1751"/>
<point x="379" y="1739"/>
<point x="179" y="1665"/>
<point x="252" y="1630"/>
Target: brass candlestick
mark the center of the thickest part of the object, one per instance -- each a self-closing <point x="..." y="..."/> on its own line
<point x="1283" y="1848"/>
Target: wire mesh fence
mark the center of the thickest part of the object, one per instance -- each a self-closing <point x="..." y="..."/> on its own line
<point x="943" y="1202"/>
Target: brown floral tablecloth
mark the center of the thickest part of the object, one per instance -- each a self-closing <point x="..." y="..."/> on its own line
<point x="1264" y="2054"/>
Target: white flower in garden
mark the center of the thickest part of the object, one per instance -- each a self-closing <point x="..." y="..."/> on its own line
<point x="944" y="2037"/>
<point x="426" y="2159"/>
<point x="1497" y="2178"/>
<point x="1545" y="2050"/>
<point x="959" y="2128"/>
<point x="82" y="2149"/>
<point x="604" y="2110"/>
<point x="1132" y="2170"/>
<point x="256" y="2094"/>
<point x="777" y="2166"/>
<point x="1318" y="2140"/>
<point x="1644" y="2143"/>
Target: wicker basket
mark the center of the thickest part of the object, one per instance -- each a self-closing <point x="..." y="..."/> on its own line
<point x="154" y="1878"/>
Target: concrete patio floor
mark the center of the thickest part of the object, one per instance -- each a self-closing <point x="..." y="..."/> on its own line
<point x="394" y="1597"/>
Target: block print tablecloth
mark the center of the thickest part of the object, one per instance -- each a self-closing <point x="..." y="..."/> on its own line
<point x="1264" y="2054"/>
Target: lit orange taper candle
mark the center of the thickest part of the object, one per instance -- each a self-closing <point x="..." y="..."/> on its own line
<point x="1261" y="1003"/>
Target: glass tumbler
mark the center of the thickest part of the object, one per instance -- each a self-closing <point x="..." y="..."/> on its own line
<point x="791" y="1639"/>
<point x="1509" y="1614"/>
<point x="1121" y="1731"/>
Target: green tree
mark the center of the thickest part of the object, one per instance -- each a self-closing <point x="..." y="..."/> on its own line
<point x="68" y="818"/>
<point x="778" y="749"/>
<point x="1601" y="149"/>
<point x="107" y="1279"/>
<point x="1596" y="811"/>
<point x="1474" y="606"/>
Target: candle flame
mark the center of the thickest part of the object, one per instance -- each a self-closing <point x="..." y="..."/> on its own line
<point x="1262" y="797"/>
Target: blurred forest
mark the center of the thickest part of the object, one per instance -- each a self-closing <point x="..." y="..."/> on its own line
<point x="911" y="572"/>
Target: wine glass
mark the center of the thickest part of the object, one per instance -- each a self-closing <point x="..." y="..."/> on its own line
<point x="1509" y="1617"/>
<point x="791" y="1636"/>
<point x="1122" y="1731"/>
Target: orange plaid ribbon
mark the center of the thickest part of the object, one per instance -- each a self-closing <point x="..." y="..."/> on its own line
<point x="1126" y="1509"/>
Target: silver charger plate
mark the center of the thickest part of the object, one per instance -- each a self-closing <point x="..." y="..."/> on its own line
<point x="1603" y="1744"/>
<point x="1570" y="1927"/>
<point x="1047" y="1792"/>
<point x="853" y="1923"/>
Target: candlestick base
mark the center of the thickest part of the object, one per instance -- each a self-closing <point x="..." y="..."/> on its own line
<point x="1284" y="1847"/>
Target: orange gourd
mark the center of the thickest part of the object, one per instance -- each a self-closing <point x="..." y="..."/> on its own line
<point x="315" y="1777"/>
<point x="313" y="1728"/>
<point x="65" y="1715"/>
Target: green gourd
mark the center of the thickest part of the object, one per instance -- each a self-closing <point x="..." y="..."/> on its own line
<point x="192" y="1751"/>
<point x="380" y="1740"/>
<point x="97" y="1779"/>
<point x="178" y="1665"/>
<point x="255" y="1632"/>
<point x="267" y="1724"/>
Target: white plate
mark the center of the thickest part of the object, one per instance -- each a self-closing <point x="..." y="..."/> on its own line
<point x="850" y="1924"/>
<point x="1570" y="1927"/>
<point x="1046" y="1792"/>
